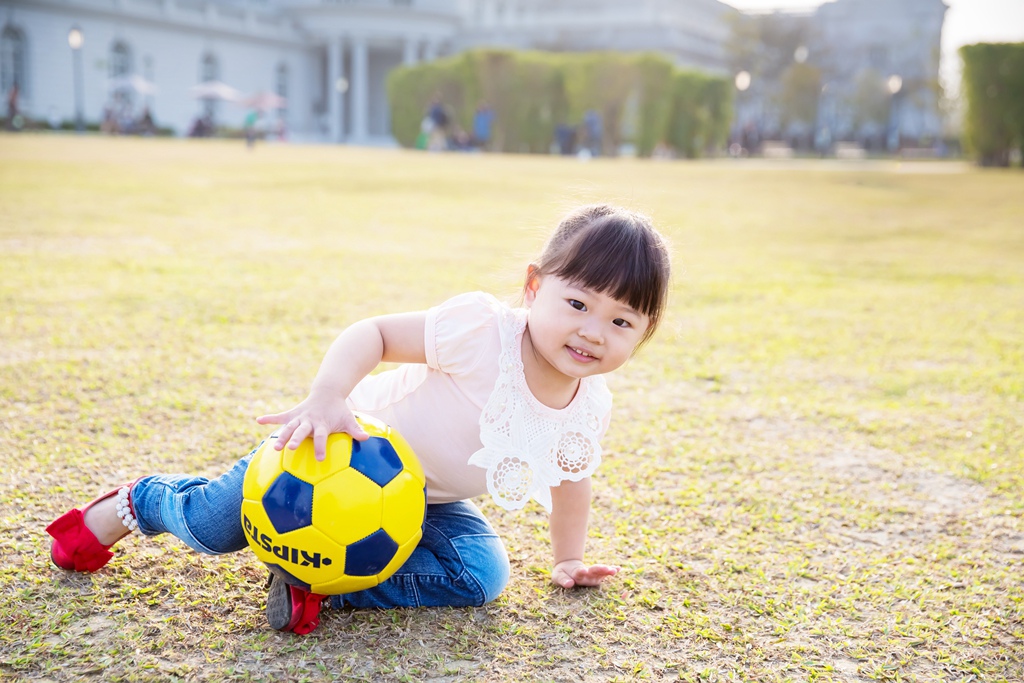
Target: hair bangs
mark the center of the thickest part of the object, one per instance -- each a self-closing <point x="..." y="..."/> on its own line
<point x="613" y="259"/>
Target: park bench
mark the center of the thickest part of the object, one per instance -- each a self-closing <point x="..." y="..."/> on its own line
<point x="776" y="149"/>
<point x="850" y="150"/>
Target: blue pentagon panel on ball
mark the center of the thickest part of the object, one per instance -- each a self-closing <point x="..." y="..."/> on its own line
<point x="370" y="555"/>
<point x="289" y="503"/>
<point x="376" y="459"/>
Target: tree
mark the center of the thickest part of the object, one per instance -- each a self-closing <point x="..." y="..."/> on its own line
<point x="782" y="54"/>
<point x="870" y="101"/>
<point x="799" y="94"/>
<point x="764" y="45"/>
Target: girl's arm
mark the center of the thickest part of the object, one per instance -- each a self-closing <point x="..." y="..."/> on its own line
<point x="351" y="357"/>
<point x="570" y="510"/>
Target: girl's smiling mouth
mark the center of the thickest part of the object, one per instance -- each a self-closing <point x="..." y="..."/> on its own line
<point x="580" y="354"/>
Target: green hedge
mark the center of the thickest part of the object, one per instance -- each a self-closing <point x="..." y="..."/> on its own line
<point x="643" y="99"/>
<point x="654" y="106"/>
<point x="701" y="111"/>
<point x="410" y="91"/>
<point x="993" y="86"/>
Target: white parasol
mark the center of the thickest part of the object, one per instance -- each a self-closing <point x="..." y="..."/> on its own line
<point x="264" y="100"/>
<point x="133" y="82"/>
<point x="214" y="90"/>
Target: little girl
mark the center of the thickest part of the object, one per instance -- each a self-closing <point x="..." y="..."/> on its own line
<point x="492" y="399"/>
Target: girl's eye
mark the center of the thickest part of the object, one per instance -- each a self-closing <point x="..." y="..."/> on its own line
<point x="621" y="323"/>
<point x="578" y="305"/>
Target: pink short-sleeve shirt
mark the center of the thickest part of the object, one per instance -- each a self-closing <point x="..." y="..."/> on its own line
<point x="437" y="406"/>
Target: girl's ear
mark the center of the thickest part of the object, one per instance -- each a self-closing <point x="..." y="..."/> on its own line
<point x="532" y="283"/>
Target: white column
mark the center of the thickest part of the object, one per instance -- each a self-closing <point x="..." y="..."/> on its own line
<point x="360" y="89"/>
<point x="409" y="52"/>
<point x="430" y="50"/>
<point x="335" y="101"/>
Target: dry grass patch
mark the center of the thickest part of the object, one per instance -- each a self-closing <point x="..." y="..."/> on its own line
<point x="814" y="471"/>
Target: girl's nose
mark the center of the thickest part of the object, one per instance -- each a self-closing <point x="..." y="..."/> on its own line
<point x="591" y="333"/>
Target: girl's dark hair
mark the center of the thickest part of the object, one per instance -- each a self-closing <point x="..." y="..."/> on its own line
<point x="612" y="251"/>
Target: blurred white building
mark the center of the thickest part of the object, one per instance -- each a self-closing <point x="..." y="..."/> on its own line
<point x="329" y="59"/>
<point x="692" y="32"/>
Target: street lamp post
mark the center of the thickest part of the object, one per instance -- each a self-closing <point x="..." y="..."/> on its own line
<point x="340" y="90"/>
<point x="894" y="85"/>
<point x="742" y="83"/>
<point x="75" y="41"/>
<point x="824" y="122"/>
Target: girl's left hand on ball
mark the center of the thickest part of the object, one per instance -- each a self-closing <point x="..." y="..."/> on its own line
<point x="571" y="573"/>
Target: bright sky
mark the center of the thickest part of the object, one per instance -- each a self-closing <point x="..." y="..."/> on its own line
<point x="967" y="21"/>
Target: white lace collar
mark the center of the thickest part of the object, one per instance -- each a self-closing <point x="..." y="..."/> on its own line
<point x="527" y="446"/>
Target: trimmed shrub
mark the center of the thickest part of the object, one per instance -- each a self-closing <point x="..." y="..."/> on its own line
<point x="411" y="89"/>
<point x="523" y="89"/>
<point x="718" y="98"/>
<point x="601" y="82"/>
<point x="642" y="99"/>
<point x="993" y="85"/>
<point x="701" y="113"/>
<point x="653" y="80"/>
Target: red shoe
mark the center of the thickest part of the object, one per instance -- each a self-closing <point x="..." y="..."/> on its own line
<point x="290" y="608"/>
<point x="76" y="548"/>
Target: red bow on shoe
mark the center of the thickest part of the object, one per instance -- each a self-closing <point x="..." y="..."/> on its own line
<point x="74" y="546"/>
<point x="310" y="618"/>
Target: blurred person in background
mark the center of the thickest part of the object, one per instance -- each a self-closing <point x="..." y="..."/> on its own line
<point x="437" y="136"/>
<point x="483" y="122"/>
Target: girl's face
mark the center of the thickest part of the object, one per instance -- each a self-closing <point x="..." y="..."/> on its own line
<point x="579" y="332"/>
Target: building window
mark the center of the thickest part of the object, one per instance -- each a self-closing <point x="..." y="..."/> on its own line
<point x="121" y="69"/>
<point x="12" y="60"/>
<point x="209" y="70"/>
<point x="120" y="60"/>
<point x="281" y="80"/>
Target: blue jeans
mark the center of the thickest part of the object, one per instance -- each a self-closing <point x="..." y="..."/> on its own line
<point x="460" y="561"/>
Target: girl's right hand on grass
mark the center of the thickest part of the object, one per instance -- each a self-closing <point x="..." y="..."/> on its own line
<point x="318" y="416"/>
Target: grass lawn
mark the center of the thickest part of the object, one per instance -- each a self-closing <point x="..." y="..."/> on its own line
<point x="814" y="471"/>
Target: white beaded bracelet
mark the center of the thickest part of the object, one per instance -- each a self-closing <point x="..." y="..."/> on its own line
<point x="124" y="509"/>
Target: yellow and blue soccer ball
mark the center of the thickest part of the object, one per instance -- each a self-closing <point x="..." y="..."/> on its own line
<point x="341" y="525"/>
